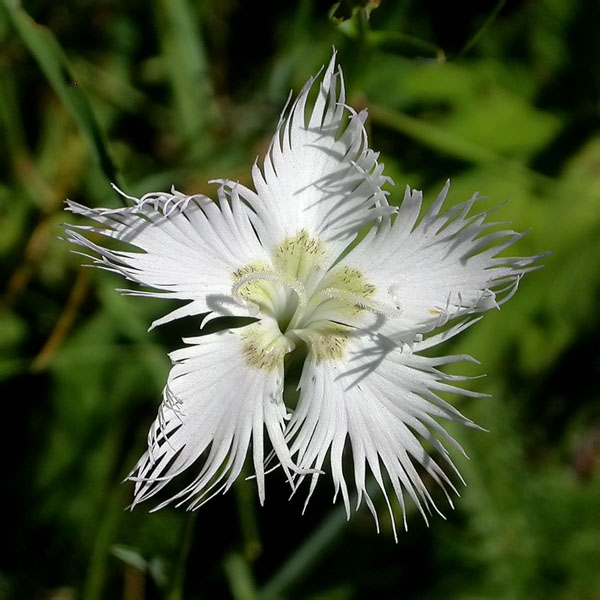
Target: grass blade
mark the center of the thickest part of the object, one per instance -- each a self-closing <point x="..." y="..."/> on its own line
<point x="52" y="60"/>
<point x="187" y="70"/>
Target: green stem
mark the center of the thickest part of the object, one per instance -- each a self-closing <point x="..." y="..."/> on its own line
<point x="246" y="504"/>
<point x="51" y="59"/>
<point x="187" y="535"/>
<point x="241" y="581"/>
<point x="299" y="563"/>
<point x="96" y="574"/>
<point x="491" y="18"/>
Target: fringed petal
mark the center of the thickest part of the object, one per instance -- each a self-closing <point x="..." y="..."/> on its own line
<point x="216" y="404"/>
<point x="443" y="267"/>
<point x="188" y="247"/>
<point x="319" y="174"/>
<point x="382" y="402"/>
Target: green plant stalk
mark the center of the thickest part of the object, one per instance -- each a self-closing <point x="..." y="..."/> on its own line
<point x="239" y="575"/>
<point x="299" y="563"/>
<point x="187" y="536"/>
<point x="246" y="505"/>
<point x="53" y="62"/>
<point x="188" y="73"/>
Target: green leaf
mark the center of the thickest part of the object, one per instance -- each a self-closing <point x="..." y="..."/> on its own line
<point x="130" y="556"/>
<point x="432" y="136"/>
<point x="405" y="45"/>
<point x="52" y="60"/>
<point x="187" y="69"/>
<point x="239" y="575"/>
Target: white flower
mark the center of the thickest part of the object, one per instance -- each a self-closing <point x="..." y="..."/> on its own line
<point x="280" y="255"/>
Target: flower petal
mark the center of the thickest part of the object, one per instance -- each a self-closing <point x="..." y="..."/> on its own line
<point x="384" y="400"/>
<point x="439" y="268"/>
<point x="216" y="404"/>
<point x="190" y="245"/>
<point x="319" y="174"/>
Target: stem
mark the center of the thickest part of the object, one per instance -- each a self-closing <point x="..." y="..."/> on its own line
<point x="306" y="555"/>
<point x="176" y="591"/>
<point x="491" y="18"/>
<point x="241" y="581"/>
<point x="246" y="504"/>
<point x="96" y="573"/>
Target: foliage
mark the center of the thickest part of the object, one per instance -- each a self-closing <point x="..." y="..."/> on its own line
<point x="503" y="98"/>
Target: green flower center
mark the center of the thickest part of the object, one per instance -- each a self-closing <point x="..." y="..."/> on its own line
<point x="305" y="301"/>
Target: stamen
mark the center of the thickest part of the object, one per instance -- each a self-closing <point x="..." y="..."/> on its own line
<point x="362" y="302"/>
<point x="273" y="276"/>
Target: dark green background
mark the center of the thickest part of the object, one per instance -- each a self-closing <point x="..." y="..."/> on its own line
<point x="503" y="98"/>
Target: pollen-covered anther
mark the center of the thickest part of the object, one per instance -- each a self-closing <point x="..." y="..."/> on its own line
<point x="264" y="346"/>
<point x="299" y="256"/>
<point x="326" y="340"/>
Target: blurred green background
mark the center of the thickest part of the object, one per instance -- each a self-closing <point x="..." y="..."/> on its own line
<point x="502" y="97"/>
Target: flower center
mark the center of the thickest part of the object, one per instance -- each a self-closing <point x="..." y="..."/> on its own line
<point x="305" y="300"/>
